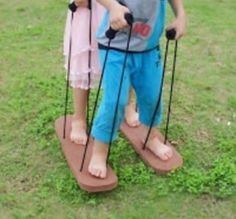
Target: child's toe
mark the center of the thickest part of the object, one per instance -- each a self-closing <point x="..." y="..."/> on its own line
<point x="98" y="172"/>
<point x="170" y="153"/>
<point x="165" y="157"/>
<point x="103" y="174"/>
<point x="95" y="172"/>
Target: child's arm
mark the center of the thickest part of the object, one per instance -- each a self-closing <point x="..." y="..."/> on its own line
<point x="117" y="13"/>
<point x="179" y="24"/>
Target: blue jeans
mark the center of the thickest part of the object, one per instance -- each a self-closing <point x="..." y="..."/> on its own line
<point x="143" y="72"/>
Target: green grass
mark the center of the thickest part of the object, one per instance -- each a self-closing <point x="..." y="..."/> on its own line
<point x="35" y="181"/>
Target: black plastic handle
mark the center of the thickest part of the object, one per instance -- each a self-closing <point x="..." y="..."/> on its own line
<point x="73" y="7"/>
<point x="171" y="34"/>
<point x="111" y="33"/>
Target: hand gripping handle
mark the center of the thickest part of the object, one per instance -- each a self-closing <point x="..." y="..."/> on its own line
<point x="111" y="33"/>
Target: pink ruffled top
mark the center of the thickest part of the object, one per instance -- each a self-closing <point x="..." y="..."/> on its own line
<point x="79" y="30"/>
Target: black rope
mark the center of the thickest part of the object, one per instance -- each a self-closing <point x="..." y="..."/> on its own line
<point x="68" y="78"/>
<point x="88" y="99"/>
<point x="89" y="55"/>
<point x="159" y="97"/>
<point x="171" y="92"/>
<point x="95" y="106"/>
<point x="170" y="35"/>
<point x="90" y="4"/>
<point x="120" y="88"/>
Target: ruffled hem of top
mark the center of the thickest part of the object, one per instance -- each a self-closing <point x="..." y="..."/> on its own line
<point x="81" y="75"/>
<point x="84" y="80"/>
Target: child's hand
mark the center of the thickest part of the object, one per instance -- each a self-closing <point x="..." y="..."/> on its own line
<point x="81" y="3"/>
<point x="117" y="16"/>
<point x="179" y="24"/>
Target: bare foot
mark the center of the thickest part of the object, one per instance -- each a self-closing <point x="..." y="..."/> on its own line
<point x="164" y="152"/>
<point x="131" y="115"/>
<point x="78" y="133"/>
<point x="97" y="166"/>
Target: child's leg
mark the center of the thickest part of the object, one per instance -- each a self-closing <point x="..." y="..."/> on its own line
<point x="131" y="115"/>
<point x="78" y="130"/>
<point x="147" y="86"/>
<point x="103" y="123"/>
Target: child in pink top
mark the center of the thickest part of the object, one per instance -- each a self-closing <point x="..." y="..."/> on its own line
<point x="82" y="76"/>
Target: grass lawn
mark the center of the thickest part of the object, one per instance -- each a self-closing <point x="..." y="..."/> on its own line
<point x="35" y="181"/>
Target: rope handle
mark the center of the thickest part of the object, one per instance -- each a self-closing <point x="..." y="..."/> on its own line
<point x="73" y="7"/>
<point x="171" y="34"/>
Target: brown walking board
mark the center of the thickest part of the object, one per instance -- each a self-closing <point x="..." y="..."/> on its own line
<point x="136" y="135"/>
<point x="74" y="153"/>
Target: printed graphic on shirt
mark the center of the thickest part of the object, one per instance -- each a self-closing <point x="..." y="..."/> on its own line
<point x="141" y="28"/>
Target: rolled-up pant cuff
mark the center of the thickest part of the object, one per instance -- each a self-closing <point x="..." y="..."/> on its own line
<point x="102" y="136"/>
